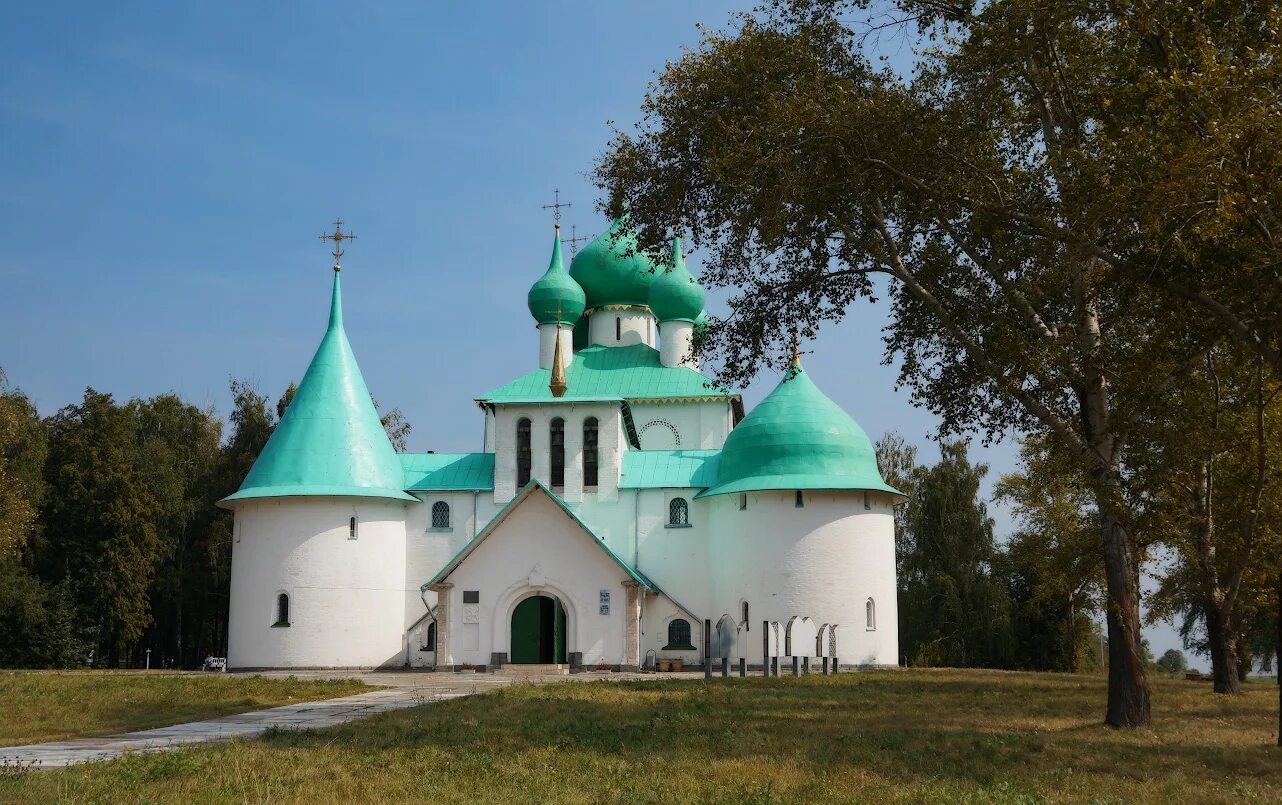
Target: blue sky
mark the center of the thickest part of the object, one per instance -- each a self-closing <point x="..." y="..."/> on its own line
<point x="165" y="170"/>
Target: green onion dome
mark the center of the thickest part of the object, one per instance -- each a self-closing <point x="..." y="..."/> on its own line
<point x="556" y="298"/>
<point x="675" y="294"/>
<point x="612" y="270"/>
<point x="797" y="438"/>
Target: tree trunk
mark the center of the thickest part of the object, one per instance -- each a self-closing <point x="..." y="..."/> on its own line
<point x="1222" y="645"/>
<point x="1277" y="656"/>
<point x="1244" y="658"/>
<point x="1072" y="636"/>
<point x="1128" y="696"/>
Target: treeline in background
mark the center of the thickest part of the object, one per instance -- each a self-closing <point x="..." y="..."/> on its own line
<point x="110" y="540"/>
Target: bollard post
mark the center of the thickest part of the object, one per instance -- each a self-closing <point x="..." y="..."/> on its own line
<point x="796" y="666"/>
<point x="765" y="648"/>
<point x="743" y="666"/>
<point x="725" y="666"/>
<point x="773" y="667"/>
<point x="805" y="665"/>
<point x="834" y="665"/>
<point x="707" y="649"/>
<point x="825" y="666"/>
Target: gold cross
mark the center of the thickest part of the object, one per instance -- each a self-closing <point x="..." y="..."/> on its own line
<point x="556" y="206"/>
<point x="338" y="236"/>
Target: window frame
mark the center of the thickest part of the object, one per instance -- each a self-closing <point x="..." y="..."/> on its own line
<point x="673" y="522"/>
<point x="524" y="451"/>
<point x="431" y="518"/>
<point x="556" y="450"/>
<point x="591" y="453"/>
<point x="870" y="615"/>
<point x="279" y="622"/>
<point x="672" y="645"/>
<point x="353" y="527"/>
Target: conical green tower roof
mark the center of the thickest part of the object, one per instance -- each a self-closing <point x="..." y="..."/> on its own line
<point x="556" y="298"/>
<point x="330" y="440"/>
<point x="675" y="294"/>
<point x="797" y="438"/>
<point x="612" y="270"/>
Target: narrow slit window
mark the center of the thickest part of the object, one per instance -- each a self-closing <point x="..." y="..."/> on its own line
<point x="351" y="527"/>
<point x="557" y="438"/>
<point x="590" y="452"/>
<point x="440" y="515"/>
<point x="523" y="455"/>
<point x="282" y="610"/>
<point x="870" y="613"/>
<point x="743" y="501"/>
<point x="678" y="512"/>
<point x="867" y="503"/>
<point x="799" y="501"/>
<point x="429" y="640"/>
<point x="618" y="328"/>
<point x="746" y="623"/>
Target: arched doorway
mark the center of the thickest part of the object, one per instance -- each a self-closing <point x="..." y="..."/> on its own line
<point x="538" y="631"/>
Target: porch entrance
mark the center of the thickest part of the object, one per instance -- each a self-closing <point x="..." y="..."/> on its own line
<point x="538" y="631"/>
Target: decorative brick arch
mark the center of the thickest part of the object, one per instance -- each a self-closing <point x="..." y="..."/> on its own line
<point x="661" y="423"/>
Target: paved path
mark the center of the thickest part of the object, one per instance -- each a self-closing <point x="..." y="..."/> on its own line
<point x="398" y="690"/>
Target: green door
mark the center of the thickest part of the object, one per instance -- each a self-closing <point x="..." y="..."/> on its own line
<point x="538" y="631"/>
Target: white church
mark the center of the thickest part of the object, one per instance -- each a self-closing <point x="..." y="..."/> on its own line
<point x="618" y="501"/>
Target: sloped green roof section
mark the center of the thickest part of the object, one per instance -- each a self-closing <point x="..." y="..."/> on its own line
<point x="330" y="441"/>
<point x="664" y="469"/>
<point x="610" y="373"/>
<point x="531" y="488"/>
<point x="443" y="472"/>
<point x="797" y="438"/>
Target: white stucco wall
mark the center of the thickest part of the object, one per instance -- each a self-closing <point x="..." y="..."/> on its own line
<point x="822" y="561"/>
<point x="698" y="426"/>
<point x="609" y="447"/>
<point x="676" y="339"/>
<point x="547" y="344"/>
<point x="348" y="598"/>
<point x="634" y="327"/>
<point x="536" y="549"/>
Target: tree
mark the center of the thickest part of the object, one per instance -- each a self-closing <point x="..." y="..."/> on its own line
<point x="23" y="448"/>
<point x="1051" y="566"/>
<point x="1202" y="472"/>
<point x="1172" y="661"/>
<point x="999" y="189"/>
<point x="952" y="611"/>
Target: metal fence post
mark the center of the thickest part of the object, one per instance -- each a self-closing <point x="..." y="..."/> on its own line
<point x="707" y="648"/>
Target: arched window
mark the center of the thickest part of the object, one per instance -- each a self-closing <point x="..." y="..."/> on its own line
<point x="678" y="512"/>
<point x="870" y="612"/>
<point x="441" y="515"/>
<point x="351" y="527"/>
<point x="557" y="439"/>
<point x="522" y="452"/>
<point x="679" y="634"/>
<point x="746" y="624"/>
<point x="282" y="610"/>
<point x="429" y="640"/>
<point x="618" y="328"/>
<point x="590" y="451"/>
<point x="799" y="501"/>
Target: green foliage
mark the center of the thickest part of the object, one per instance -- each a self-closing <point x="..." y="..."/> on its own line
<point x="39" y="624"/>
<point x="1172" y="661"/>
<point x="953" y="611"/>
<point x="22" y="455"/>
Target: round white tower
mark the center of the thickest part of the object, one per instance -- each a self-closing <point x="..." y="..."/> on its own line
<point x="556" y="302"/>
<point x="677" y="301"/>
<point x="319" y="539"/>
<point x="802" y="525"/>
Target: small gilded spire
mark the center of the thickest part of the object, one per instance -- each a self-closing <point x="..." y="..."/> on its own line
<point x="558" y="385"/>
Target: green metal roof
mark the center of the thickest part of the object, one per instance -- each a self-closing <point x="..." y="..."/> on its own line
<point x="600" y="373"/>
<point x="612" y="270"/>
<point x="330" y="441"/>
<point x="498" y="519"/>
<point x="556" y="298"/>
<point x="675" y="294"/>
<point x="448" y="471"/>
<point x="663" y="469"/>
<point x="797" y="438"/>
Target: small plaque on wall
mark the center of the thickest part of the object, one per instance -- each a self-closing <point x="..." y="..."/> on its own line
<point x="605" y="602"/>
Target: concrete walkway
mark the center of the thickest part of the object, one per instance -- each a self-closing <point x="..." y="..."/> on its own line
<point x="398" y="690"/>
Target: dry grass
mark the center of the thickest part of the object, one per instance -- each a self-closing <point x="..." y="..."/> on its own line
<point x="39" y="706"/>
<point x="918" y="736"/>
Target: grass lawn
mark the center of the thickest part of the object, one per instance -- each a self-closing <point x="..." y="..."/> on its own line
<point x="918" y="736"/>
<point x="39" y="706"/>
